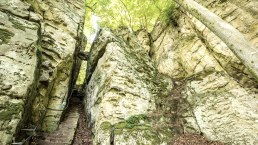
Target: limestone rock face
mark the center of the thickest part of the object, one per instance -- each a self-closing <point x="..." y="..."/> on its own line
<point x="144" y="39"/>
<point x="38" y="41"/>
<point x="220" y="97"/>
<point x="222" y="109"/>
<point x="122" y="87"/>
<point x="245" y="20"/>
<point x="18" y="68"/>
<point x="61" y="30"/>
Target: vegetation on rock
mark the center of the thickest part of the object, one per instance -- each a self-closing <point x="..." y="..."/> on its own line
<point x="161" y="68"/>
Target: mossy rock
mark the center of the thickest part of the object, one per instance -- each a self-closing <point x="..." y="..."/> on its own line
<point x="133" y="123"/>
<point x="145" y="135"/>
<point x="106" y="125"/>
<point x="136" y="119"/>
<point x="10" y="110"/>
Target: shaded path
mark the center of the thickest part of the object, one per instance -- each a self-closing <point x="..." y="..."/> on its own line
<point x="72" y="130"/>
<point x="82" y="135"/>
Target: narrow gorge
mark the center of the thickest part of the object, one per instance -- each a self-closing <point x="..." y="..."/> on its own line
<point x="174" y="82"/>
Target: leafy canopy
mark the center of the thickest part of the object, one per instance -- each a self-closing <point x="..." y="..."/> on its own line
<point x="135" y="14"/>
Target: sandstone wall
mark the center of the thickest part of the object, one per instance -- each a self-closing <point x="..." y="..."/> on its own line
<point x="38" y="40"/>
<point x="219" y="96"/>
<point x="122" y="88"/>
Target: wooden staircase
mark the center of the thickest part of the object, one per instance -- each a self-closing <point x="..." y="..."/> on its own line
<point x="65" y="133"/>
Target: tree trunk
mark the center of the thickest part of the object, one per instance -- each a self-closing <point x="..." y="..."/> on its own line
<point x="238" y="44"/>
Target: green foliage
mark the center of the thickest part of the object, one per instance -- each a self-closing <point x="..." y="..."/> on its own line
<point x="82" y="73"/>
<point x="135" y="14"/>
<point x="169" y="14"/>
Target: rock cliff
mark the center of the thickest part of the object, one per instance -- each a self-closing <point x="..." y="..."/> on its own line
<point x="140" y="87"/>
<point x="122" y="88"/>
<point x="213" y="93"/>
<point x="220" y="97"/>
<point x="38" y="42"/>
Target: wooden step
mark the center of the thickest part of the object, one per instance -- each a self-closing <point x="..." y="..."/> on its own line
<point x="65" y="133"/>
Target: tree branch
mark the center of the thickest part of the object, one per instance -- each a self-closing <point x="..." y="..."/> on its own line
<point x="235" y="41"/>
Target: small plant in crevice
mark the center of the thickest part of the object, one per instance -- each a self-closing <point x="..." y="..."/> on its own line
<point x="170" y="15"/>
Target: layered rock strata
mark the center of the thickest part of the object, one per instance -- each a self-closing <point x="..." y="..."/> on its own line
<point x="122" y="88"/>
<point x="220" y="96"/>
<point x="38" y="40"/>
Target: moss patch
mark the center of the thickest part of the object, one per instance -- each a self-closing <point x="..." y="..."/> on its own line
<point x="10" y="110"/>
<point x="106" y="125"/>
<point x="133" y="123"/>
<point x="142" y="133"/>
<point x="136" y="119"/>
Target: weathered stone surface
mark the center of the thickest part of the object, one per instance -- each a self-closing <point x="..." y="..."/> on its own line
<point x="61" y="30"/>
<point x="220" y="95"/>
<point x="144" y="39"/>
<point x="222" y="109"/>
<point x="38" y="42"/>
<point x="18" y="69"/>
<point x="122" y="85"/>
<point x="245" y="21"/>
<point x="15" y="7"/>
<point x="178" y="52"/>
